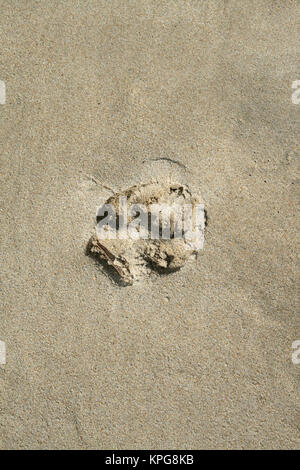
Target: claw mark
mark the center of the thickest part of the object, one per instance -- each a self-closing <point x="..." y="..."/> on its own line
<point x="169" y="160"/>
<point x="96" y="181"/>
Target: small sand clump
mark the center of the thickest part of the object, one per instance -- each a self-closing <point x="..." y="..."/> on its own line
<point x="136" y="256"/>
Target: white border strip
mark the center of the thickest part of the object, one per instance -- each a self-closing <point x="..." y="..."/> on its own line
<point x="2" y="92"/>
<point x="2" y="352"/>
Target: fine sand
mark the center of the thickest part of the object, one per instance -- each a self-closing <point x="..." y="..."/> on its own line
<point x="109" y="94"/>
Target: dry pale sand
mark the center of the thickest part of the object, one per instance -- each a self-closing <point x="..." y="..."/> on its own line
<point x="105" y="92"/>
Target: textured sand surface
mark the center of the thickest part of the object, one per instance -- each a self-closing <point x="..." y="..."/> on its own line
<point x="108" y="92"/>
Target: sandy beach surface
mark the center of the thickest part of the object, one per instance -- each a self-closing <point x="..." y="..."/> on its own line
<point x="107" y="94"/>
